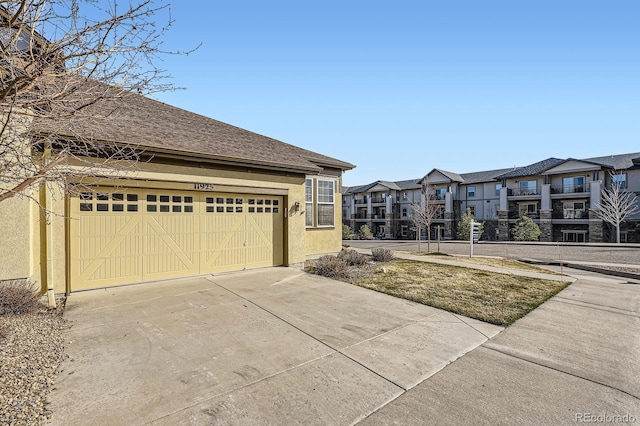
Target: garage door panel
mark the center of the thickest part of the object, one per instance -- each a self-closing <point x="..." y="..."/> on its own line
<point x="223" y="247"/>
<point x="106" y="248"/>
<point x="264" y="245"/>
<point x="170" y="246"/>
<point x="135" y="235"/>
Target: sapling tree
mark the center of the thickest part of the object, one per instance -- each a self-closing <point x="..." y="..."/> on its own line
<point x="423" y="215"/>
<point x="617" y="203"/>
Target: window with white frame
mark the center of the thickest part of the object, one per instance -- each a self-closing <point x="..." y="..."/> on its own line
<point x="498" y="188"/>
<point x="308" y="198"/>
<point x="325" y="202"/>
<point x="404" y="212"/>
<point x="472" y="210"/>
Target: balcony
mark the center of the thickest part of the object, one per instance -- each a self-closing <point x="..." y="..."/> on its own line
<point x="522" y="192"/>
<point x="571" y="214"/>
<point x="519" y="214"/>
<point x="377" y="200"/>
<point x="360" y="201"/>
<point x="570" y="189"/>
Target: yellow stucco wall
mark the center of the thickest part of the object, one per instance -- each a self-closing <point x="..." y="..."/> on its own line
<point x="326" y="240"/>
<point x="15" y="238"/>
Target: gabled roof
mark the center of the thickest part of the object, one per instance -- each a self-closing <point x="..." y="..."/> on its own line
<point x="484" y="176"/>
<point x="618" y="162"/>
<point x="454" y="177"/>
<point x="409" y="184"/>
<point x="388" y="184"/>
<point x="166" y="130"/>
<point x="401" y="185"/>
<point x="532" y="169"/>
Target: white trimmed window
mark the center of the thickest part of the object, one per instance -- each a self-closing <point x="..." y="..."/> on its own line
<point x="325" y="202"/>
<point x="319" y="202"/>
<point x="308" y="198"/>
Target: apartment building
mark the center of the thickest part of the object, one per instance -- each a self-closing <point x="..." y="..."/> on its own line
<point x="382" y="205"/>
<point x="560" y="195"/>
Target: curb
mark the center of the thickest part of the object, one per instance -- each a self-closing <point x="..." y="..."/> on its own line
<point x="578" y="266"/>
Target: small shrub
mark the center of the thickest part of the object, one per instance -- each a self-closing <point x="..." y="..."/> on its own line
<point x="464" y="226"/>
<point x="381" y="254"/>
<point x="525" y="230"/>
<point x="18" y="297"/>
<point x="352" y="257"/>
<point x="346" y="232"/>
<point x="365" y="233"/>
<point x="331" y="267"/>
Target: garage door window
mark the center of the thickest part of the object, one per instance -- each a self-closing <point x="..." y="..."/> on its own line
<point x="169" y="204"/>
<point x="105" y="202"/>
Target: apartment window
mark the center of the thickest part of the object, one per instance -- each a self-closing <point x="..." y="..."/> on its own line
<point x="308" y="198"/>
<point x="619" y="180"/>
<point x="404" y="196"/>
<point x="325" y="202"/>
<point x="573" y="184"/>
<point x="404" y="229"/>
<point x="404" y="212"/>
<point x="471" y="191"/>
<point x="528" y="187"/>
<point x="472" y="210"/>
<point x="498" y="188"/>
<point x="441" y="193"/>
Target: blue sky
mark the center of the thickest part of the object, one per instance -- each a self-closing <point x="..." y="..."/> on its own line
<point x="398" y="88"/>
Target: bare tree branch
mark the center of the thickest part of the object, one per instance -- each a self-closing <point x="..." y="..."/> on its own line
<point x="617" y="203"/>
<point x="67" y="65"/>
<point x="423" y="216"/>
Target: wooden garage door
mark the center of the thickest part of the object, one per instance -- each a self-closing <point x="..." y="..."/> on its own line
<point x="136" y="235"/>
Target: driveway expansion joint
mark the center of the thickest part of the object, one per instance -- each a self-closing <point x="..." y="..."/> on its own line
<point x="530" y="361"/>
<point x="336" y="350"/>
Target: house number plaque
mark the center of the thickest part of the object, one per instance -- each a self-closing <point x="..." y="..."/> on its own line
<point x="203" y="186"/>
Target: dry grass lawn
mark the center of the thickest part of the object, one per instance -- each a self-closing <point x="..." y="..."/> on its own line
<point x="492" y="297"/>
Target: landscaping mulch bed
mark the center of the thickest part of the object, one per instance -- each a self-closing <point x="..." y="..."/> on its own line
<point x="31" y="350"/>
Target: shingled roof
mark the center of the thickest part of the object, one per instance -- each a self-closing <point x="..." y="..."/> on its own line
<point x="483" y="176"/>
<point x="618" y="162"/>
<point x="164" y="129"/>
<point x="532" y="169"/>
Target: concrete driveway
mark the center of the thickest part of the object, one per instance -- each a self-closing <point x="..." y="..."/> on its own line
<point x="271" y="346"/>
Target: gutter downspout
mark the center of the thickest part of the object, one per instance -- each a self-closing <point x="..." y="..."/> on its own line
<point x="51" y="295"/>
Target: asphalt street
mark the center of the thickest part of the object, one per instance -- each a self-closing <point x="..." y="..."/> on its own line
<point x="622" y="254"/>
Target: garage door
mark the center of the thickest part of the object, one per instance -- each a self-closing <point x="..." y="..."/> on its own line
<point x="136" y="235"/>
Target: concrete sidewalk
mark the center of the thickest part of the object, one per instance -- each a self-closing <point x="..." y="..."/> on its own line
<point x="459" y="261"/>
<point x="272" y="346"/>
<point x="575" y="359"/>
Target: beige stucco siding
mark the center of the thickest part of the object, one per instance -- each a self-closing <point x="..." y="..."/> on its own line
<point x="15" y="238"/>
<point x="326" y="240"/>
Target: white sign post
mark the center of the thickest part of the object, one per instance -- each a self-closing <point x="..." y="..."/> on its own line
<point x="473" y="235"/>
